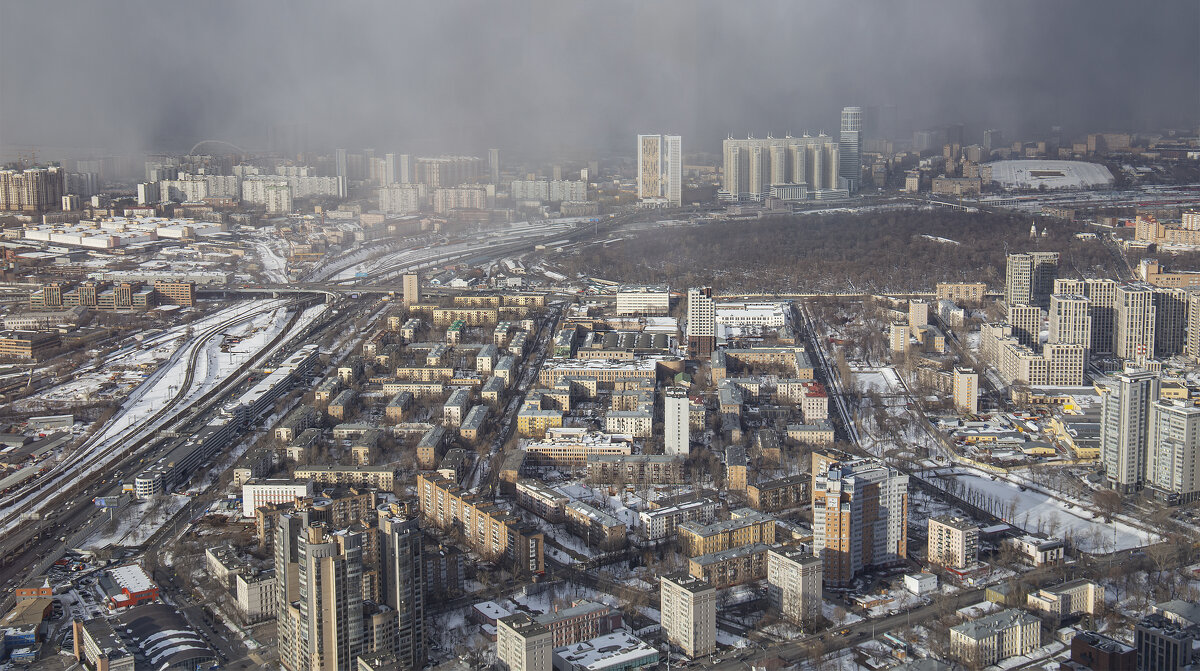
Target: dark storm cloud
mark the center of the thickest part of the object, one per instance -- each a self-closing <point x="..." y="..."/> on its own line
<point x="560" y="76"/>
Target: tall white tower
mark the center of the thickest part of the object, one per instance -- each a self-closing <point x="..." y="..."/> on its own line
<point x="675" y="431"/>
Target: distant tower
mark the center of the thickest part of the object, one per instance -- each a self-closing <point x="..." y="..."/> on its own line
<point x="660" y="169"/>
<point x="340" y="159"/>
<point x="1033" y="230"/>
<point x="412" y="289"/>
<point x="494" y="165"/>
<point x="850" y="148"/>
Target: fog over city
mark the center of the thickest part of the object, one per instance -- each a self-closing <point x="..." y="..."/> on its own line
<point x="553" y="77"/>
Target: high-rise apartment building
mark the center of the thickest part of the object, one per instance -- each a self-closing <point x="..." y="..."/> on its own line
<point x="325" y="623"/>
<point x="795" y="168"/>
<point x="401" y="198"/>
<point x="411" y="289"/>
<point x="1135" y="316"/>
<point x="1029" y="278"/>
<point x="966" y="391"/>
<point x="1070" y="320"/>
<point x="794" y="579"/>
<point x="850" y="147"/>
<point x="406" y="170"/>
<point x="1173" y="451"/>
<point x="403" y="586"/>
<point x="494" y="165"/>
<point x="343" y="175"/>
<point x="1026" y="321"/>
<point x="918" y="314"/>
<point x="32" y="189"/>
<point x="860" y="518"/>
<point x="677" y="441"/>
<point x="523" y="645"/>
<point x="660" y="169"/>
<point x="701" y="322"/>
<point x="1191" y="344"/>
<point x="1102" y="301"/>
<point x="1170" y="321"/>
<point x="1124" y="428"/>
<point x="953" y="542"/>
<point x="688" y="608"/>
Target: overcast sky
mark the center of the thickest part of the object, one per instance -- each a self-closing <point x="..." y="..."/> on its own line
<point x="563" y="76"/>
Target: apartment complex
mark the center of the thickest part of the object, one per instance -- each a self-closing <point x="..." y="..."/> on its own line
<point x="860" y="518"/>
<point x="523" y="645"/>
<point x="745" y="527"/>
<point x="1125" y="409"/>
<point x="489" y="529"/>
<point x="1029" y="278"/>
<point x="660" y="169"/>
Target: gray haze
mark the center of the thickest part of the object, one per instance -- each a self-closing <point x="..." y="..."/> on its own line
<point x="558" y="76"/>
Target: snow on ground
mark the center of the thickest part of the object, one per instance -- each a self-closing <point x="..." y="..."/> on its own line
<point x="1033" y="174"/>
<point x="1038" y="512"/>
<point x="831" y="611"/>
<point x="136" y="523"/>
<point x="726" y="638"/>
<point x="274" y="264"/>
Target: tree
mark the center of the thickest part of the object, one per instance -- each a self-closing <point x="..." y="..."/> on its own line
<point x="1109" y="502"/>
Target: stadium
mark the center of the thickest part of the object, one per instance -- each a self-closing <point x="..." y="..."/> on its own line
<point x="1035" y="174"/>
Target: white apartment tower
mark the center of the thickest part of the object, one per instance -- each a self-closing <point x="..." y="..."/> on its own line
<point x="660" y="169"/>
<point x="1124" y="428"/>
<point x="677" y="440"/>
<point x="1173" y="452"/>
<point x="701" y="322"/>
<point x="794" y="579"/>
<point x="688" y="607"/>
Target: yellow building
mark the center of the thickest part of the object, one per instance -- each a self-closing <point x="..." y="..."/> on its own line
<point x="746" y="527"/>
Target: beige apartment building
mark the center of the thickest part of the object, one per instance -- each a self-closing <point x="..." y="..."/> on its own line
<point x="953" y="542"/>
<point x="688" y="608"/>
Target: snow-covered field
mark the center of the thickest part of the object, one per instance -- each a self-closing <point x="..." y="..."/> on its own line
<point x="1038" y="512"/>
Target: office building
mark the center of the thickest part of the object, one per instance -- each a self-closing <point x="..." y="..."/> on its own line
<point x="523" y="645"/>
<point x="1163" y="644"/>
<point x="966" y="391"/>
<point x="701" y="322"/>
<point x="1077" y="597"/>
<point x="675" y="429"/>
<point x="643" y="300"/>
<point x="995" y="637"/>
<point x="953" y="542"/>
<point x="1173" y="451"/>
<point x="1135" y="317"/>
<point x="850" y="148"/>
<point x="1029" y="278"/>
<point x="860" y="518"/>
<point x="411" y="289"/>
<point x="660" y="169"/>
<point x="1125" y="409"/>
<point x="794" y="578"/>
<point x="32" y="189"/>
<point x="688" y="609"/>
